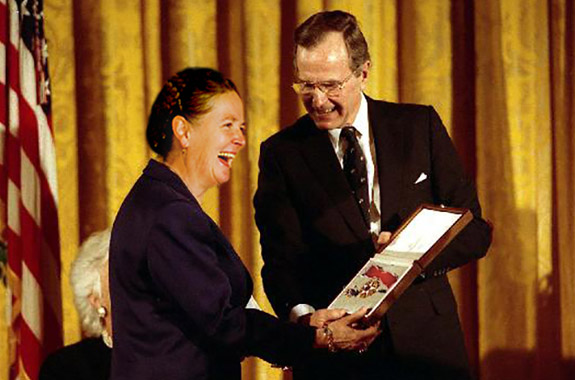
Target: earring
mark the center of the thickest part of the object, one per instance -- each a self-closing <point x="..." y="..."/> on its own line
<point x="106" y="337"/>
<point x="102" y="312"/>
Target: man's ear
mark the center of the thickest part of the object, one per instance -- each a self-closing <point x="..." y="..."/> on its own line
<point x="180" y="128"/>
<point x="364" y="74"/>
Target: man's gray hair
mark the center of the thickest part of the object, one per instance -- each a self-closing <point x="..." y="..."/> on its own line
<point x="313" y="30"/>
<point x="85" y="279"/>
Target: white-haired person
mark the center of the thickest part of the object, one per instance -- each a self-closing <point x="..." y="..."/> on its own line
<point x="88" y="359"/>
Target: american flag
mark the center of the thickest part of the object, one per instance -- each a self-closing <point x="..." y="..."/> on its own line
<point x="28" y="188"/>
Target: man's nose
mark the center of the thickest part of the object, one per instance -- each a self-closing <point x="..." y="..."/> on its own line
<point x="318" y="97"/>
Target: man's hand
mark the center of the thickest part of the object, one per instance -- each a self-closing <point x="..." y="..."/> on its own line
<point x="382" y="239"/>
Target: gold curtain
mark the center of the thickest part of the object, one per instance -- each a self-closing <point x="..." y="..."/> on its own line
<point x="500" y="73"/>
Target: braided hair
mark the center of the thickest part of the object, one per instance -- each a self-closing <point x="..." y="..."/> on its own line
<point x="187" y="94"/>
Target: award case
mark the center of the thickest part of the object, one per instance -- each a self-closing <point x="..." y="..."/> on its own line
<point x="411" y="248"/>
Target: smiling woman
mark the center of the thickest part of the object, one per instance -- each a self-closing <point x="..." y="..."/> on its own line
<point x="214" y="141"/>
<point x="197" y="126"/>
<point x="179" y="291"/>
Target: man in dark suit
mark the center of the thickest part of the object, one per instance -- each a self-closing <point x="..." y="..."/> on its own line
<point x="329" y="194"/>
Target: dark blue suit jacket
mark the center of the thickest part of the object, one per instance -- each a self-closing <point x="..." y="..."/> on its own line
<point x="88" y="359"/>
<point x="179" y="292"/>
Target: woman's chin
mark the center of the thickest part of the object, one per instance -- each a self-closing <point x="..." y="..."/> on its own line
<point x="222" y="178"/>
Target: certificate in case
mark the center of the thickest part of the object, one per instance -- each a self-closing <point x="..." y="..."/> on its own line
<point x="410" y="249"/>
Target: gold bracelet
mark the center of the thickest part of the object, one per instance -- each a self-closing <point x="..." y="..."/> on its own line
<point x="329" y="336"/>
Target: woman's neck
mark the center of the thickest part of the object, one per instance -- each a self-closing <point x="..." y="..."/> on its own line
<point x="178" y="166"/>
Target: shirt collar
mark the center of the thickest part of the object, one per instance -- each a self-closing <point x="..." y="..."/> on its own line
<point x="162" y="173"/>
<point x="361" y="123"/>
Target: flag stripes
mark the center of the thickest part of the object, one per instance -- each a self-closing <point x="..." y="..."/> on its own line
<point x="28" y="188"/>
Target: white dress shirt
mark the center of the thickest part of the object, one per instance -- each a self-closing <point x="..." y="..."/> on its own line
<point x="365" y="138"/>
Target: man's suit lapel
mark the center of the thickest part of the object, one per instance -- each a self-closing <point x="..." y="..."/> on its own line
<point x="318" y="152"/>
<point x="388" y="140"/>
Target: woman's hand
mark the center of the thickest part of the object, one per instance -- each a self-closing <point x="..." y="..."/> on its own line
<point x="320" y="317"/>
<point x="342" y="334"/>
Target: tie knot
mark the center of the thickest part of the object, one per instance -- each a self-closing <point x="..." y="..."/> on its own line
<point x="348" y="133"/>
<point x="348" y="139"/>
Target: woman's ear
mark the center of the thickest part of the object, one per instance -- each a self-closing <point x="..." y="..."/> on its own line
<point x="180" y="128"/>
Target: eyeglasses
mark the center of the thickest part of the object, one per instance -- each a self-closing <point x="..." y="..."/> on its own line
<point x="329" y="88"/>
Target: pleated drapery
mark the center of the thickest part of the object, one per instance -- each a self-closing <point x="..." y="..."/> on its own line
<point x="500" y="73"/>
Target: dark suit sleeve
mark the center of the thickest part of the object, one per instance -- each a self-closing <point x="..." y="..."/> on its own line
<point x="88" y="359"/>
<point x="52" y="369"/>
<point x="452" y="187"/>
<point x="283" y="247"/>
<point x="183" y="264"/>
<point x="276" y="341"/>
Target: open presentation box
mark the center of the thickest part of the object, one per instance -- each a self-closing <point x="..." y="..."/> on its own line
<point x="410" y="249"/>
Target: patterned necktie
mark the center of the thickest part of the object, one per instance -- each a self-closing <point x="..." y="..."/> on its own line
<point x="355" y="169"/>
